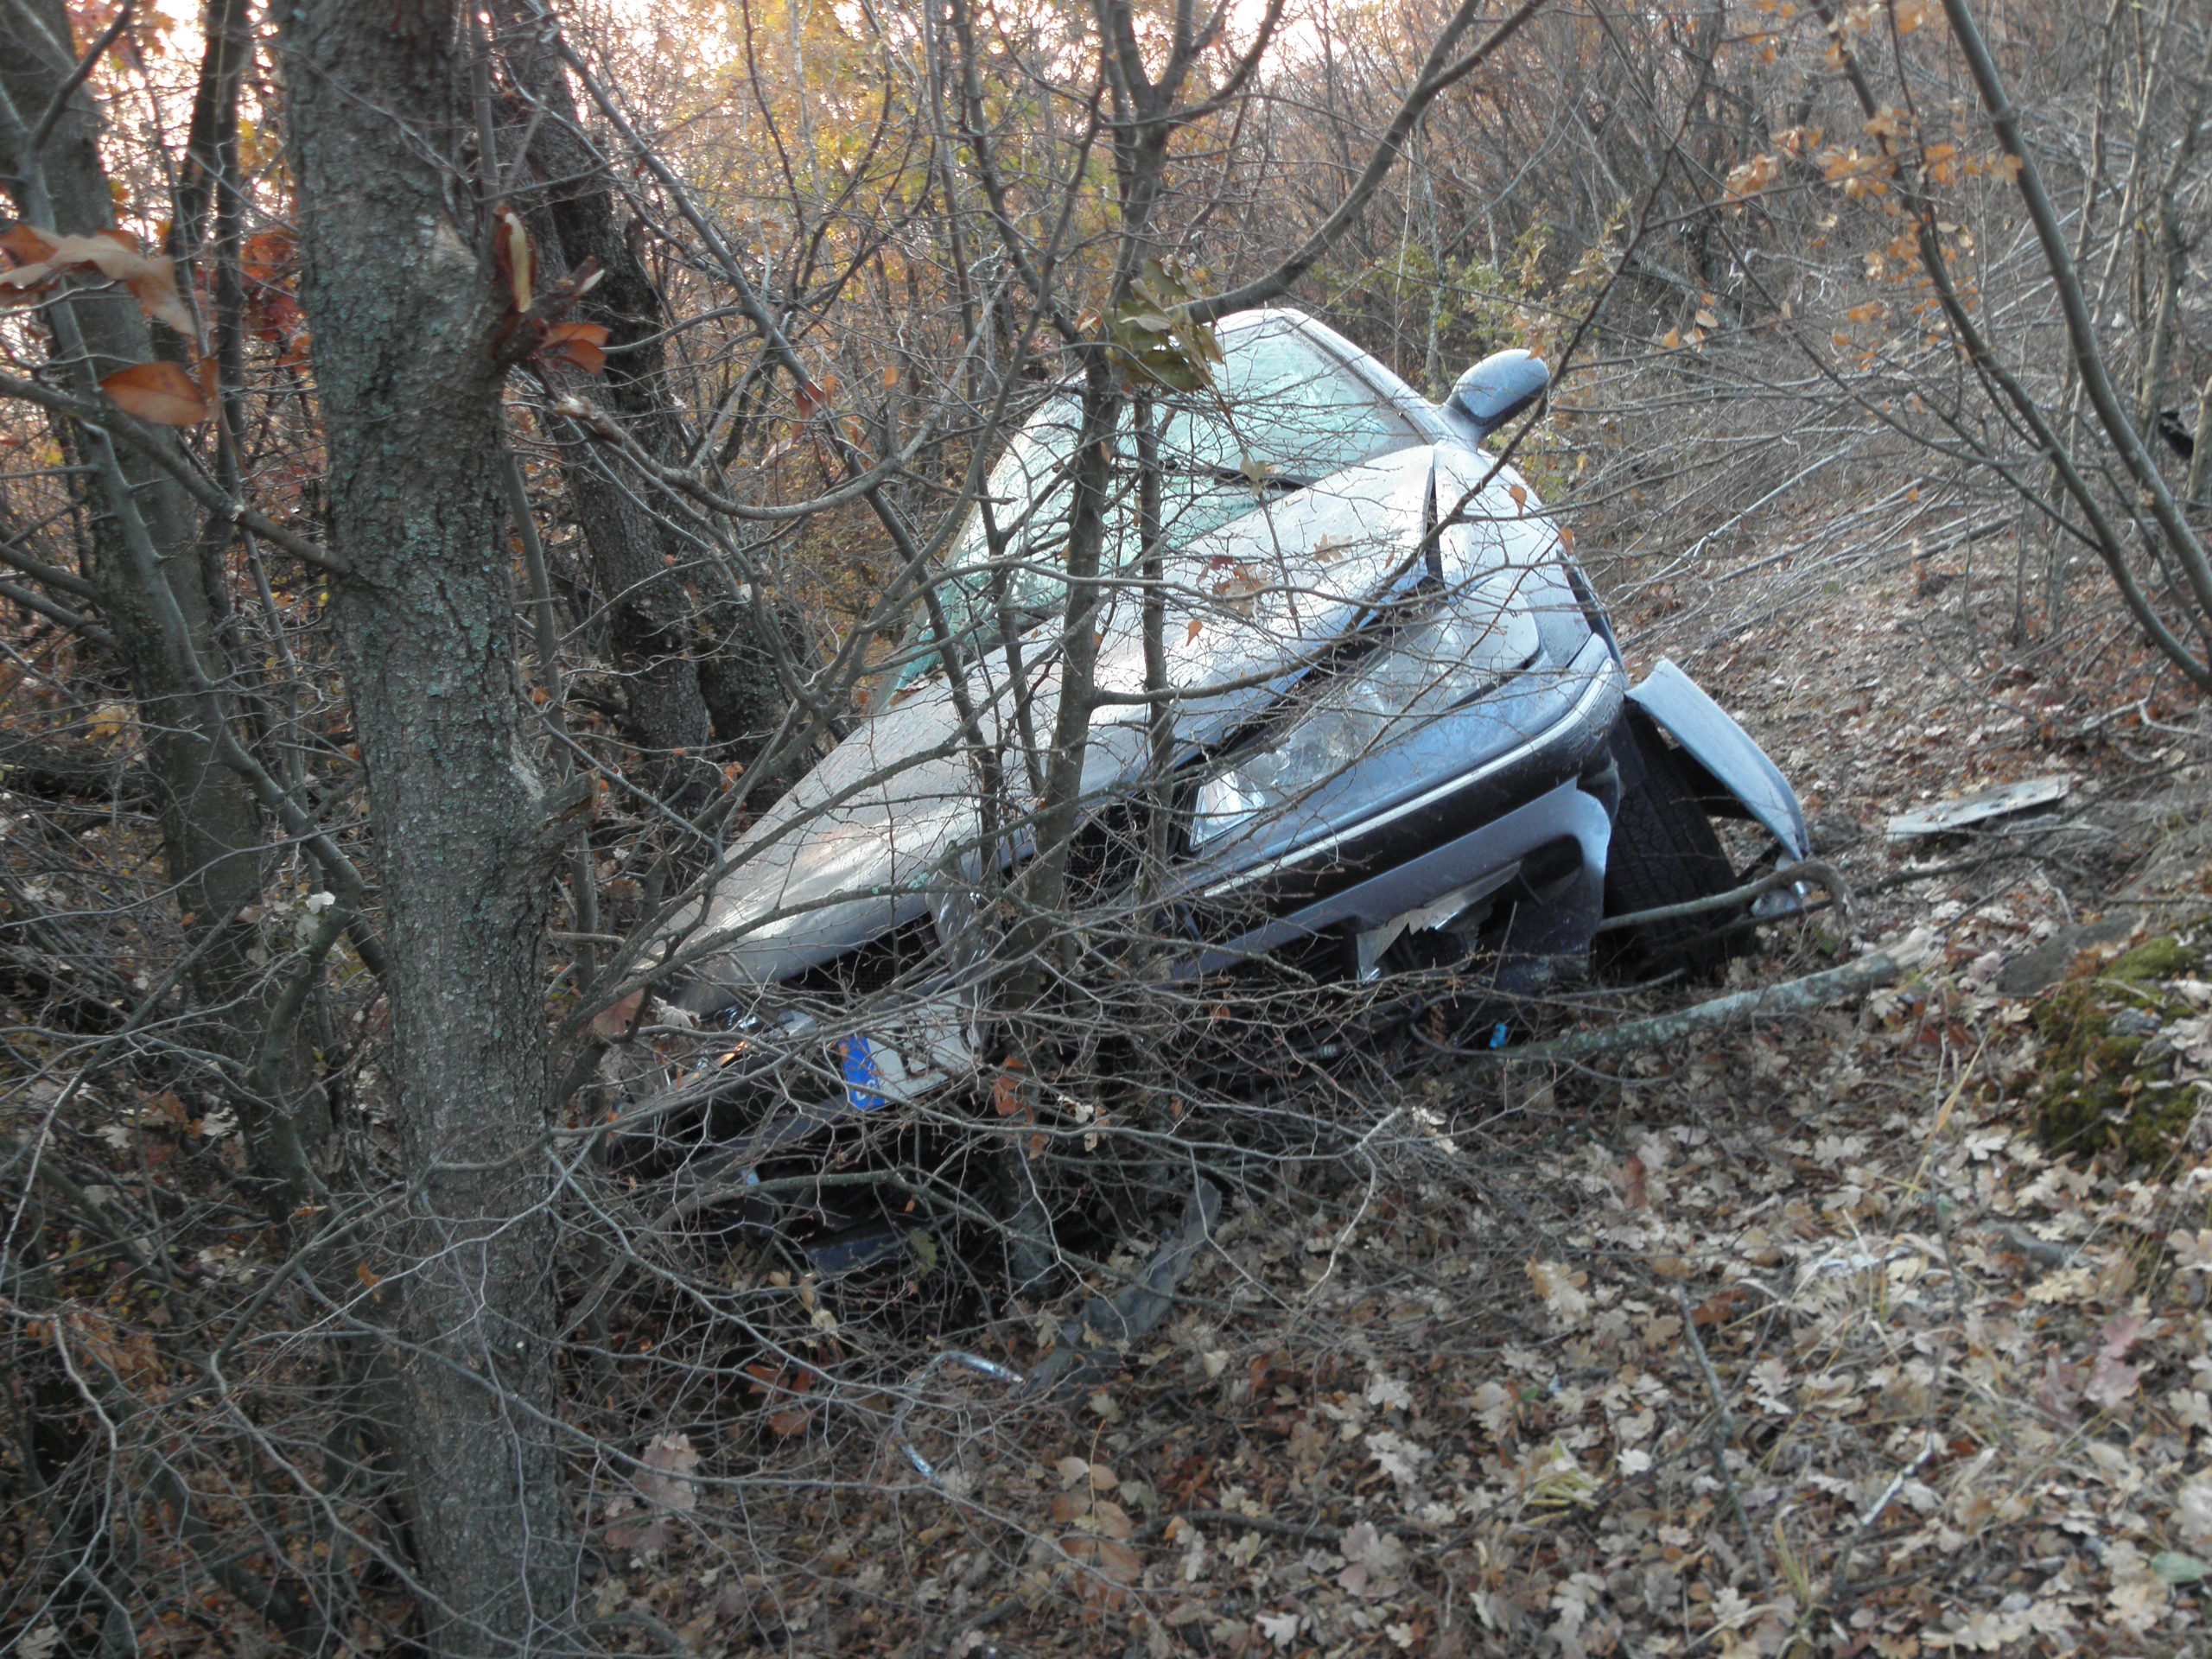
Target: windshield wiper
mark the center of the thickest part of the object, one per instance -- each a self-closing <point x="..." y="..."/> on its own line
<point x="1285" y="482"/>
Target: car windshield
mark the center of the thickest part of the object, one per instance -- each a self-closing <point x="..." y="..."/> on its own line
<point x="1282" y="413"/>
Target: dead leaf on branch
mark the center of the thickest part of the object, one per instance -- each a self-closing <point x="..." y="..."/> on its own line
<point x="583" y="344"/>
<point x="160" y="393"/>
<point x="516" y="256"/>
<point x="46" y="257"/>
<point x="1240" y="588"/>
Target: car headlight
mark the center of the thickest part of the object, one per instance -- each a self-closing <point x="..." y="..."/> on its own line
<point x="1444" y="661"/>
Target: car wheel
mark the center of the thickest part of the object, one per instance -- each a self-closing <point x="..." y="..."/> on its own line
<point x="1664" y="852"/>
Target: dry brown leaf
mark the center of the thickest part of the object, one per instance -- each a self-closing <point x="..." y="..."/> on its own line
<point x="29" y="246"/>
<point x="1081" y="1472"/>
<point x="1632" y="1183"/>
<point x="1109" y="1565"/>
<point x="129" y="1354"/>
<point x="160" y="393"/>
<point x="150" y="278"/>
<point x="581" y="343"/>
<point x="1110" y="1519"/>
<point x="612" y="1024"/>
<point x="666" y="1479"/>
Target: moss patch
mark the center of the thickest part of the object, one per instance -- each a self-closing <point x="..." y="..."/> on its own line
<point x="2105" y="1080"/>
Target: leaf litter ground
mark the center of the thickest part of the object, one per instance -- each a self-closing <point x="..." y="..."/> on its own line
<point x="1795" y="1342"/>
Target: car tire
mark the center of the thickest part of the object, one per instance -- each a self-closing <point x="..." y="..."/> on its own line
<point x="1664" y="852"/>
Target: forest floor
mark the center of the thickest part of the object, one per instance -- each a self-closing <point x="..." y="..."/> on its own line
<point x="1796" y="1341"/>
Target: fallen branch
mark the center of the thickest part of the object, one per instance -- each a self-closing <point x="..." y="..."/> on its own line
<point x="1839" y="1579"/>
<point x="1793" y="996"/>
<point x="1809" y="869"/>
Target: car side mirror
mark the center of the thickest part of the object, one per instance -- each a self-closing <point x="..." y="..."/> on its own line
<point x="1494" y="391"/>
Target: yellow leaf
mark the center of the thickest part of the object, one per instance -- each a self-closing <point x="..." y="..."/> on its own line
<point x="108" y="723"/>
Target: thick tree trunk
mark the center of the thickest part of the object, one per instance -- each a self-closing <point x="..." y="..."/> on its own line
<point x="406" y="319"/>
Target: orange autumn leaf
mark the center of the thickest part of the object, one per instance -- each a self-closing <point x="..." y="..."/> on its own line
<point x="160" y="393"/>
<point x="267" y="254"/>
<point x="28" y="245"/>
<point x="581" y="343"/>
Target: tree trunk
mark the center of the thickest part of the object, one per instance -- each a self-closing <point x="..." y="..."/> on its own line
<point x="145" y="565"/>
<point x="407" y="320"/>
<point x="697" y="675"/>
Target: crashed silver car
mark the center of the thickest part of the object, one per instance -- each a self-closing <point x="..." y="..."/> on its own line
<point x="1402" y="734"/>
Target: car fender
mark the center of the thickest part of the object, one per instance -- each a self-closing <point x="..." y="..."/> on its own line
<point x="1716" y="742"/>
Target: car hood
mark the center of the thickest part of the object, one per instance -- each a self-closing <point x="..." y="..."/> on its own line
<point x="852" y="849"/>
